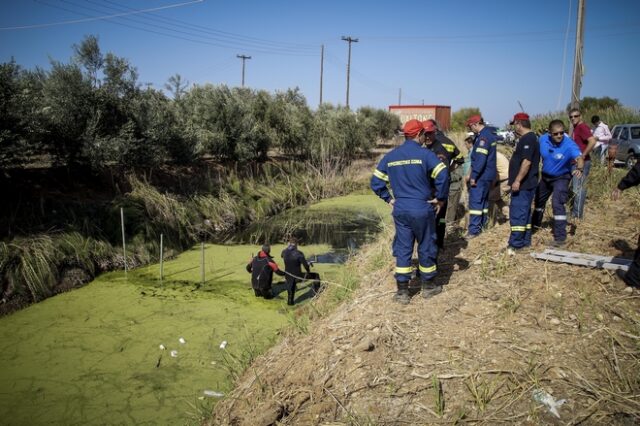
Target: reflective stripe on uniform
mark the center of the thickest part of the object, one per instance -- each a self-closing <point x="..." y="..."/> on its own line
<point x="449" y="147"/>
<point x="443" y="220"/>
<point x="437" y="169"/>
<point x="540" y="209"/>
<point x="476" y="212"/>
<point x="403" y="269"/>
<point x="482" y="151"/>
<point x="404" y="162"/>
<point x="428" y="270"/>
<point x="518" y="228"/>
<point x="560" y="217"/>
<point x="485" y="211"/>
<point x="529" y="226"/>
<point x="377" y="173"/>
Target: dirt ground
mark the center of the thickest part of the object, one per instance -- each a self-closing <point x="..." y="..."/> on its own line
<point x="505" y="328"/>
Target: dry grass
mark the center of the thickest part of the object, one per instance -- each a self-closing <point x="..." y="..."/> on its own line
<point x="504" y="327"/>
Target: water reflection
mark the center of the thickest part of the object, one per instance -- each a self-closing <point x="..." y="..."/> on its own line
<point x="344" y="230"/>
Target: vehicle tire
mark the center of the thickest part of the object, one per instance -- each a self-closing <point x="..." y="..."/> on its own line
<point x="631" y="161"/>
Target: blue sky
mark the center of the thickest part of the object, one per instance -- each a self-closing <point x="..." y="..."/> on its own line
<point x="489" y="54"/>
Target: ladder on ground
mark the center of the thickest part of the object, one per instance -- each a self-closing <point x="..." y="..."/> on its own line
<point x="584" y="259"/>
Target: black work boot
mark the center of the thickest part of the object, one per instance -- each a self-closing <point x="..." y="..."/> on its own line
<point x="430" y="289"/>
<point x="402" y="295"/>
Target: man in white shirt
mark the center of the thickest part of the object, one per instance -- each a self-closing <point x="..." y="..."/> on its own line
<point x="602" y="135"/>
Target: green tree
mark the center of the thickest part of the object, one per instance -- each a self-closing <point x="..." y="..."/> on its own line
<point x="176" y="86"/>
<point x="597" y="104"/>
<point x="459" y="117"/>
<point x="88" y="55"/>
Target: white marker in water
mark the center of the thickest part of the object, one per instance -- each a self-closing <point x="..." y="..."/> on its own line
<point x="223" y="344"/>
<point x="174" y="354"/>
<point x="181" y="340"/>
<point x="162" y="347"/>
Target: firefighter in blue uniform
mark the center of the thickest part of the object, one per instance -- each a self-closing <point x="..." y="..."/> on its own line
<point x="418" y="188"/>
<point x="558" y="152"/>
<point x="523" y="179"/>
<point x="481" y="174"/>
<point x="434" y="145"/>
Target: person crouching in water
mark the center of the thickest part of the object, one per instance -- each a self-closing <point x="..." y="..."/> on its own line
<point x="293" y="260"/>
<point x="262" y="268"/>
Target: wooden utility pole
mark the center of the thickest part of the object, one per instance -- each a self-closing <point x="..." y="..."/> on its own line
<point x="349" y="40"/>
<point x="577" y="61"/>
<point x="321" y="70"/>
<point x="244" y="58"/>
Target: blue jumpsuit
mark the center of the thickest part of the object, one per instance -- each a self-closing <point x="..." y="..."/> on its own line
<point x="415" y="175"/>
<point x="483" y="171"/>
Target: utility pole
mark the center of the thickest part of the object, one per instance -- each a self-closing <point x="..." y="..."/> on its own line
<point x="577" y="61"/>
<point x="400" y="96"/>
<point x="321" y="70"/>
<point x="244" y="58"/>
<point x="350" y="40"/>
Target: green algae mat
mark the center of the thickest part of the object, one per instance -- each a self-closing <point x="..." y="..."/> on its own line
<point x="135" y="350"/>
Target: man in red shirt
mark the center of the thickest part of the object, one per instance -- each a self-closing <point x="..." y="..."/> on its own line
<point x="586" y="142"/>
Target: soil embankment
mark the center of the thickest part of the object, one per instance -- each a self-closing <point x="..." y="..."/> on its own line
<point x="506" y="327"/>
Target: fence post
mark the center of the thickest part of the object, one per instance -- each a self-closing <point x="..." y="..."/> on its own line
<point x="124" y="246"/>
<point x="202" y="263"/>
<point x="161" y="258"/>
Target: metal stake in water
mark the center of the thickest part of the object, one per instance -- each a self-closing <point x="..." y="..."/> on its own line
<point x="124" y="246"/>
<point x="161" y="258"/>
<point x="202" y="263"/>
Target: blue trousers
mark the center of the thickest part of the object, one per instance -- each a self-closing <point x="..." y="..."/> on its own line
<point x="520" y="218"/>
<point x="479" y="206"/>
<point x="412" y="226"/>
<point x="579" y="190"/>
<point x="559" y="187"/>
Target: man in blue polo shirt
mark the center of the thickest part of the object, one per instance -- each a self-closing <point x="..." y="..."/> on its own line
<point x="523" y="179"/>
<point x="419" y="182"/>
<point x="558" y="152"/>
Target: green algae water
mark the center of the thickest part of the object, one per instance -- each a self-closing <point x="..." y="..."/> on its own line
<point x="136" y="350"/>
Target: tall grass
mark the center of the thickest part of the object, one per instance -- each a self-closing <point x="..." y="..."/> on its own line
<point x="611" y="116"/>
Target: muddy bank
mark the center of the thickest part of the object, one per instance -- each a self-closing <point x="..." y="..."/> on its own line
<point x="504" y="328"/>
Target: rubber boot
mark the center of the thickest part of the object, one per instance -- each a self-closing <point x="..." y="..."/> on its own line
<point x="430" y="289"/>
<point x="402" y="295"/>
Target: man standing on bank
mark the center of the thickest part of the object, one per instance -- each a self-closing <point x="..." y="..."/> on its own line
<point x="293" y="260"/>
<point x="432" y="143"/>
<point x="632" y="276"/>
<point x="586" y="142"/>
<point x="456" y="175"/>
<point x="481" y="175"/>
<point x="420" y="185"/>
<point x="523" y="178"/>
<point x="557" y="152"/>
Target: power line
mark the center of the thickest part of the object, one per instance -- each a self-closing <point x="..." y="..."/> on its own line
<point x="97" y="18"/>
<point x="212" y="31"/>
<point x="564" y="57"/>
<point x="202" y="40"/>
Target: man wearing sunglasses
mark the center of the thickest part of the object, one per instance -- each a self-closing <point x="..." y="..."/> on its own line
<point x="557" y="152"/>
<point x="586" y="142"/>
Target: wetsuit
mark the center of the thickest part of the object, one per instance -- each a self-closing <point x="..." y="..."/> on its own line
<point x="262" y="268"/>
